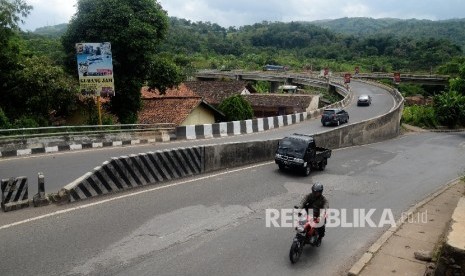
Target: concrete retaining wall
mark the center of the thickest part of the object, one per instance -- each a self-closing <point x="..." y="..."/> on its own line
<point x="218" y="157"/>
<point x="452" y="261"/>
<point x="154" y="167"/>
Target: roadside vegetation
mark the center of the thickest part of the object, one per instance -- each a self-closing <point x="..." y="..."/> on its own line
<point x="39" y="72"/>
<point x="447" y="107"/>
<point x="236" y="108"/>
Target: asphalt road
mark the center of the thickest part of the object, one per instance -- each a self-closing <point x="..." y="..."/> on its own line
<point x="62" y="168"/>
<point x="215" y="224"/>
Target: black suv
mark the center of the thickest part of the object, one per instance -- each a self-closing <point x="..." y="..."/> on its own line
<point x="334" y="116"/>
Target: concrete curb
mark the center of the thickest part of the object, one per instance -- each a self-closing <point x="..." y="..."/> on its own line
<point x="81" y="146"/>
<point x="357" y="268"/>
<point x="452" y="260"/>
<point x="419" y="129"/>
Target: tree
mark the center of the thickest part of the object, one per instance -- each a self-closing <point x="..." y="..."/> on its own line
<point x="4" y="122"/>
<point x="11" y="13"/>
<point x="236" y="108"/>
<point x="134" y="28"/>
<point x="40" y="88"/>
<point x="450" y="108"/>
<point x="458" y="83"/>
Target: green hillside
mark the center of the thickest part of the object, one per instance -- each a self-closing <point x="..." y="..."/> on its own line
<point x="374" y="44"/>
<point x="452" y="30"/>
<point x="52" y="31"/>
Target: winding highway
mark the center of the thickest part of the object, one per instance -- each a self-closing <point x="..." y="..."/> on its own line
<point x="62" y="168"/>
<point x="215" y="224"/>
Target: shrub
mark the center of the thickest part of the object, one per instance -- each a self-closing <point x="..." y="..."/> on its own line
<point x="450" y="107"/>
<point x="408" y="90"/>
<point x="26" y="122"/>
<point x="421" y="116"/>
<point x="236" y="108"/>
<point x="4" y="122"/>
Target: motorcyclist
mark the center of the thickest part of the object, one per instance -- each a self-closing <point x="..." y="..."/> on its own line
<point x="316" y="201"/>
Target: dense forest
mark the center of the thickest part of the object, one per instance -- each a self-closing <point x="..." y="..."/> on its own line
<point x="374" y="45"/>
<point x="452" y="30"/>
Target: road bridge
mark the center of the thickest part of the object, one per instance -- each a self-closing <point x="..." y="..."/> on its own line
<point x="318" y="81"/>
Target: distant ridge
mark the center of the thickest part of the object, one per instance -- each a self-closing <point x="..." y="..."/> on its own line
<point x="450" y="29"/>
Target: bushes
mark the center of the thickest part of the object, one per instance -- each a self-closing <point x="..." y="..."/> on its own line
<point x="4" y="122"/>
<point x="450" y="107"/>
<point x="421" y="116"/>
<point x="409" y="90"/>
<point x="448" y="110"/>
<point x="236" y="108"/>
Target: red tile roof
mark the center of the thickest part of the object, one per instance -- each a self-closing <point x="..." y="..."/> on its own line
<point x="167" y="109"/>
<point x="214" y="92"/>
<point x="173" y="107"/>
<point x="181" y="91"/>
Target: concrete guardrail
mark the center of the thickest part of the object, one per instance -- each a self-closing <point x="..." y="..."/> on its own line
<point x="150" y="168"/>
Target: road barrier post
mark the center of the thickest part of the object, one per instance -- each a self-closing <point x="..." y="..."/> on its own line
<point x="39" y="199"/>
<point x="14" y="193"/>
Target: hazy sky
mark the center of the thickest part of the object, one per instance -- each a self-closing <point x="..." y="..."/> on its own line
<point x="246" y="12"/>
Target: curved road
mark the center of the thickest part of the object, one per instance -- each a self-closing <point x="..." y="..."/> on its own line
<point x="215" y="224"/>
<point x="62" y="168"/>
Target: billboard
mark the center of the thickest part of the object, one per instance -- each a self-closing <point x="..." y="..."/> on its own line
<point x="95" y="68"/>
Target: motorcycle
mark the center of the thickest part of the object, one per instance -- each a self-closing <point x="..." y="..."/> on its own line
<point x="306" y="233"/>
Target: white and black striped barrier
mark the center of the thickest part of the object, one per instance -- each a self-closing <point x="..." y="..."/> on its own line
<point x="192" y="132"/>
<point x="137" y="170"/>
<point x="154" y="167"/>
<point x="14" y="193"/>
<point x="82" y="146"/>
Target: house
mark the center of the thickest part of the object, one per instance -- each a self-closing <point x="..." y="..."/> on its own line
<point x="268" y="105"/>
<point x="179" y="106"/>
<point x="264" y="105"/>
<point x="215" y="92"/>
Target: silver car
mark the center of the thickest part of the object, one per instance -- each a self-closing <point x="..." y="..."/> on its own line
<point x="364" y="100"/>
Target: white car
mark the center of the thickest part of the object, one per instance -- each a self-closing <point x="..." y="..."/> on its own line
<point x="364" y="100"/>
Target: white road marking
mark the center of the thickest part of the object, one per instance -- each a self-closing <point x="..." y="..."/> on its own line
<point x="126" y="196"/>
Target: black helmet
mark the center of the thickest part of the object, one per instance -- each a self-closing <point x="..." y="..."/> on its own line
<point x="317" y="187"/>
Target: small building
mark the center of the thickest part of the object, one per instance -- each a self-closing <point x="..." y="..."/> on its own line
<point x="263" y="105"/>
<point x="179" y="106"/>
<point x="215" y="92"/>
<point x="268" y="105"/>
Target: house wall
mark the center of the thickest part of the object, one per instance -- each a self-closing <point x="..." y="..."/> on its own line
<point x="313" y="104"/>
<point x="199" y="116"/>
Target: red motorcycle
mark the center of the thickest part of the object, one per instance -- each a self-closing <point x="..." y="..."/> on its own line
<point x="306" y="233"/>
